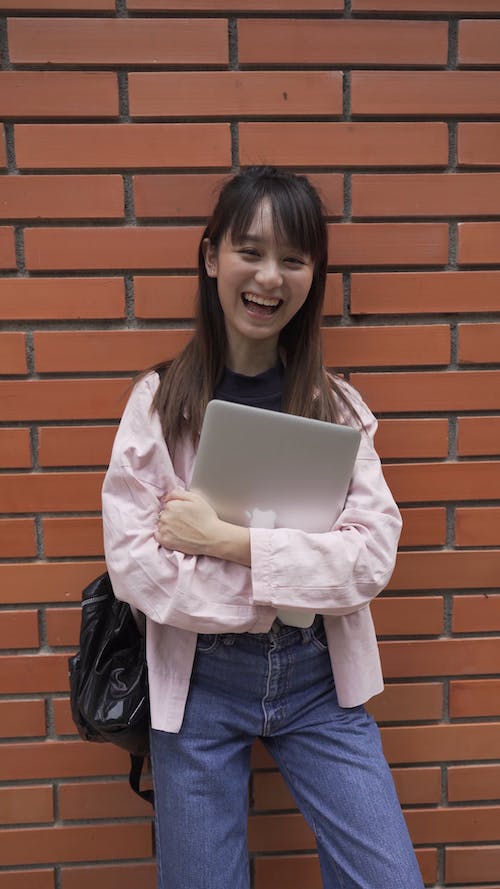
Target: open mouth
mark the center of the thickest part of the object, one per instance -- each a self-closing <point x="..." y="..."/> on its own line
<point x="261" y="305"/>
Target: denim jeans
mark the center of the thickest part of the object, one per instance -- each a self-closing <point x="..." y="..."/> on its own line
<point x="277" y="686"/>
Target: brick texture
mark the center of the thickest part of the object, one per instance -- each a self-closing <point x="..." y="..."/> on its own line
<point x="118" y="123"/>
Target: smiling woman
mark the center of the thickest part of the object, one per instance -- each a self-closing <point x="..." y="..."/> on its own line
<point x="224" y="669"/>
<point x="261" y="284"/>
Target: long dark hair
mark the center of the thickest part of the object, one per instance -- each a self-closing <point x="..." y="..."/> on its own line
<point x="188" y="382"/>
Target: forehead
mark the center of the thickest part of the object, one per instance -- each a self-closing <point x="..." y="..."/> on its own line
<point x="263" y="225"/>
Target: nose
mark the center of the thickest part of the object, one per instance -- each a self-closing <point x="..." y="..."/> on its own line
<point x="268" y="275"/>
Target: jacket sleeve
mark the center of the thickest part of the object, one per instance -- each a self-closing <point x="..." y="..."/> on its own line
<point x="340" y="571"/>
<point x="197" y="593"/>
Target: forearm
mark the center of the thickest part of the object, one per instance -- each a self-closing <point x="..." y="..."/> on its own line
<point x="232" y="543"/>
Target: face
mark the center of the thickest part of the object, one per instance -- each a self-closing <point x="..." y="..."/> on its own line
<point x="261" y="283"/>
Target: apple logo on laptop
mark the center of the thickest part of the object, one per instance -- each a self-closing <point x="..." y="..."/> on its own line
<point x="261" y="518"/>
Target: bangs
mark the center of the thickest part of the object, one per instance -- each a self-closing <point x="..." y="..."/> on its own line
<point x="294" y="215"/>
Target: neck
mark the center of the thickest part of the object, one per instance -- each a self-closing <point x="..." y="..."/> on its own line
<point x="252" y="359"/>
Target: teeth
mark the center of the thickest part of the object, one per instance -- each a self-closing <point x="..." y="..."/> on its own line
<point x="251" y="297"/>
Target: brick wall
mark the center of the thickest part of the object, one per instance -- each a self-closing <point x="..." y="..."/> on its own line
<point x="119" y="120"/>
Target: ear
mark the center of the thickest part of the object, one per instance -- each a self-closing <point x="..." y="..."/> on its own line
<point x="210" y="256"/>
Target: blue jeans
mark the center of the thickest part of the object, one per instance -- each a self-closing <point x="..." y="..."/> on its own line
<point x="277" y="686"/>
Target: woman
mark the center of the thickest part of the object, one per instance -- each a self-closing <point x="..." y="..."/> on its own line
<point x="223" y="669"/>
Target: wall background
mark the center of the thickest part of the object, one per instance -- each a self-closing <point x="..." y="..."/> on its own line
<point x="119" y="121"/>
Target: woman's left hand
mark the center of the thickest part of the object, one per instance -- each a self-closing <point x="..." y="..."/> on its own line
<point x="188" y="523"/>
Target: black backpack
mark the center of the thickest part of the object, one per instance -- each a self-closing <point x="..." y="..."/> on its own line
<point x="109" y="679"/>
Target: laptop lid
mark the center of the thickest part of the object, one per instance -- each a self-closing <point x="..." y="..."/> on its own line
<point x="261" y="468"/>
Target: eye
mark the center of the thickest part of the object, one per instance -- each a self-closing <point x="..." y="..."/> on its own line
<point x="249" y="251"/>
<point x="294" y="260"/>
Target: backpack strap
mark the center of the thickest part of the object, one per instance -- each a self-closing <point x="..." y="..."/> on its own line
<point x="134" y="778"/>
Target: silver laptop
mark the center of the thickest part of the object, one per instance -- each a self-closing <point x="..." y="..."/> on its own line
<point x="262" y="468"/>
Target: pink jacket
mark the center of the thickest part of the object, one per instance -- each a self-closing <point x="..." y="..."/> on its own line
<point x="335" y="573"/>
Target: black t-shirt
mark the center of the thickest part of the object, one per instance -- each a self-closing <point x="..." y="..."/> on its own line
<point x="263" y="390"/>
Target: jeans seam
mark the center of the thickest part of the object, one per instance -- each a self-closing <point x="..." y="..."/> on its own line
<point x="266" y="723"/>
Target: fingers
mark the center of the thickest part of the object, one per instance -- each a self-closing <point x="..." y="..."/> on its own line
<point x="177" y="494"/>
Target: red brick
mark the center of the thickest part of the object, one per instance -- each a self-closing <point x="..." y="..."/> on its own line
<point x="176" y="194"/>
<point x="478" y="436"/>
<point x="19" y="629"/>
<point x="22" y="719"/>
<point x="412" y="438"/>
<point x="423" y="527"/>
<point x="236" y="5"/>
<point x="279" y="833"/>
<point x="430" y="92"/>
<point x="46" y="581"/>
<point x="221" y="93"/>
<point x="104" y="799"/>
<point x="105" y="350"/>
<point x="479" y="42"/>
<point x="473" y="782"/>
<point x="63" y="399"/>
<point x="330" y="187"/>
<point x="118" y="41"/>
<point x="69" y="298"/>
<point x="478" y="144"/>
<point x="336" y="42"/>
<point x="122" y="145"/>
<point x="51" y="492"/>
<point x="62" y="5"/>
<point x="194" y="194"/>
<point x="17" y="538"/>
<point x="425" y="194"/>
<point x="446" y="570"/>
<point x="26" y="879"/>
<point x="75" y="445"/>
<point x="60" y="759"/>
<point x="58" y="94"/>
<point x="386" y="243"/>
<point x="409" y="293"/>
<point x="26" y="805"/>
<point x="408" y="616"/>
<point x="379" y="346"/>
<point x="477" y="526"/>
<point x="38" y="845"/>
<point x="15" y="448"/>
<point x="473" y="864"/>
<point x="28" y="674"/>
<point x="454" y="825"/>
<point x="444" y="481"/>
<point x="434" y="6"/>
<point x="478" y="343"/>
<point x="61" y="197"/>
<point x="161" y="296"/>
<point x="441" y="743"/>
<point x="345" y="144"/>
<point x="478" y="242"/>
<point x="73" y="537"/>
<point x="93" y="247"/>
<point x="476" y="614"/>
<point x="427" y="391"/>
<point x="7" y="247"/>
<point x="13" y="353"/>
<point x="440" y="657"/>
<point x="410" y="702"/>
<point x="3" y="153"/>
<point x="63" y="626"/>
<point x="110" y="876"/>
<point x="478" y="697"/>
